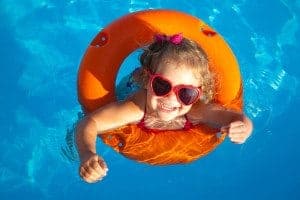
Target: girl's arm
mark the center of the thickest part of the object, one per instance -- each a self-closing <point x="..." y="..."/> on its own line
<point x="106" y="118"/>
<point x="238" y="126"/>
<point x="111" y="116"/>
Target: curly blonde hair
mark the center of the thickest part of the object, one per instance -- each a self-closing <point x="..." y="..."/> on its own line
<point x="187" y="52"/>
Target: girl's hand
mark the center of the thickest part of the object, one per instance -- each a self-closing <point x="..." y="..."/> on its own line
<point x="93" y="168"/>
<point x="238" y="131"/>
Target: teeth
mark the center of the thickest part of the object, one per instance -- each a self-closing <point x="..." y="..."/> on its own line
<point x="165" y="107"/>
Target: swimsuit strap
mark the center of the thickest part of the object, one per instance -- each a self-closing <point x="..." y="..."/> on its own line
<point x="188" y="124"/>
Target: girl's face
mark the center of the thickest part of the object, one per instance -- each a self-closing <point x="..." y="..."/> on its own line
<point x="168" y="107"/>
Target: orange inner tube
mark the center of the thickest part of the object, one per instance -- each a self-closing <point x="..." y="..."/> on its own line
<point x="107" y="51"/>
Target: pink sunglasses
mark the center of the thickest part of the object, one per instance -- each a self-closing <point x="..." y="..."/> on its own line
<point x="186" y="94"/>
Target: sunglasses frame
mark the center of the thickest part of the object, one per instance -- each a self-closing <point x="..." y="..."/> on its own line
<point x="175" y="89"/>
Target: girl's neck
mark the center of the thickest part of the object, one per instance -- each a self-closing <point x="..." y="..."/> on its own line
<point x="152" y="121"/>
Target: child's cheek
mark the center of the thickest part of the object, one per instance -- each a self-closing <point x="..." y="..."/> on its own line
<point x="152" y="101"/>
<point x="185" y="109"/>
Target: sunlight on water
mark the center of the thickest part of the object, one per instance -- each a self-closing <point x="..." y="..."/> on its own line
<point x="288" y="32"/>
<point x="215" y="13"/>
<point x="6" y="174"/>
<point x="31" y="167"/>
<point x="236" y="8"/>
<point x="268" y="87"/>
<point x="137" y="5"/>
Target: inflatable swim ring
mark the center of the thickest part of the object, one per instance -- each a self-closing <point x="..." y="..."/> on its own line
<point x="104" y="56"/>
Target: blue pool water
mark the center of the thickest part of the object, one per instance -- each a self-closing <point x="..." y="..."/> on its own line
<point x="42" y="43"/>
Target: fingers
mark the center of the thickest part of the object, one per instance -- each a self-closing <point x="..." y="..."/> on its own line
<point x="237" y="132"/>
<point x="93" y="169"/>
<point x="237" y="140"/>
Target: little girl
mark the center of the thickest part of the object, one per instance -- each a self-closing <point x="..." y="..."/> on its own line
<point x="176" y="90"/>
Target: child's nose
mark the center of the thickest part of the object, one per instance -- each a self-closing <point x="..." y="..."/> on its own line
<point x="173" y="98"/>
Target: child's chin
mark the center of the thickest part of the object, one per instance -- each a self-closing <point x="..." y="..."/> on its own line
<point x="167" y="116"/>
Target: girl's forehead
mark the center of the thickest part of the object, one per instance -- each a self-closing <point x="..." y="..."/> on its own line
<point x="178" y="73"/>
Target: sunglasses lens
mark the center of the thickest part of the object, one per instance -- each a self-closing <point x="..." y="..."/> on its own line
<point x="188" y="95"/>
<point x="160" y="87"/>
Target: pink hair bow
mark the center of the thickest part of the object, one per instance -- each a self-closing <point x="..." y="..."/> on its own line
<point x="175" y="39"/>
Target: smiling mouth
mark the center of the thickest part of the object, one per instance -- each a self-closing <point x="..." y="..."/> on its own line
<point x="166" y="108"/>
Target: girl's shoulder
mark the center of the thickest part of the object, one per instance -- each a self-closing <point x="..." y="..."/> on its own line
<point x="199" y="112"/>
<point x="137" y="102"/>
<point x="119" y="113"/>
